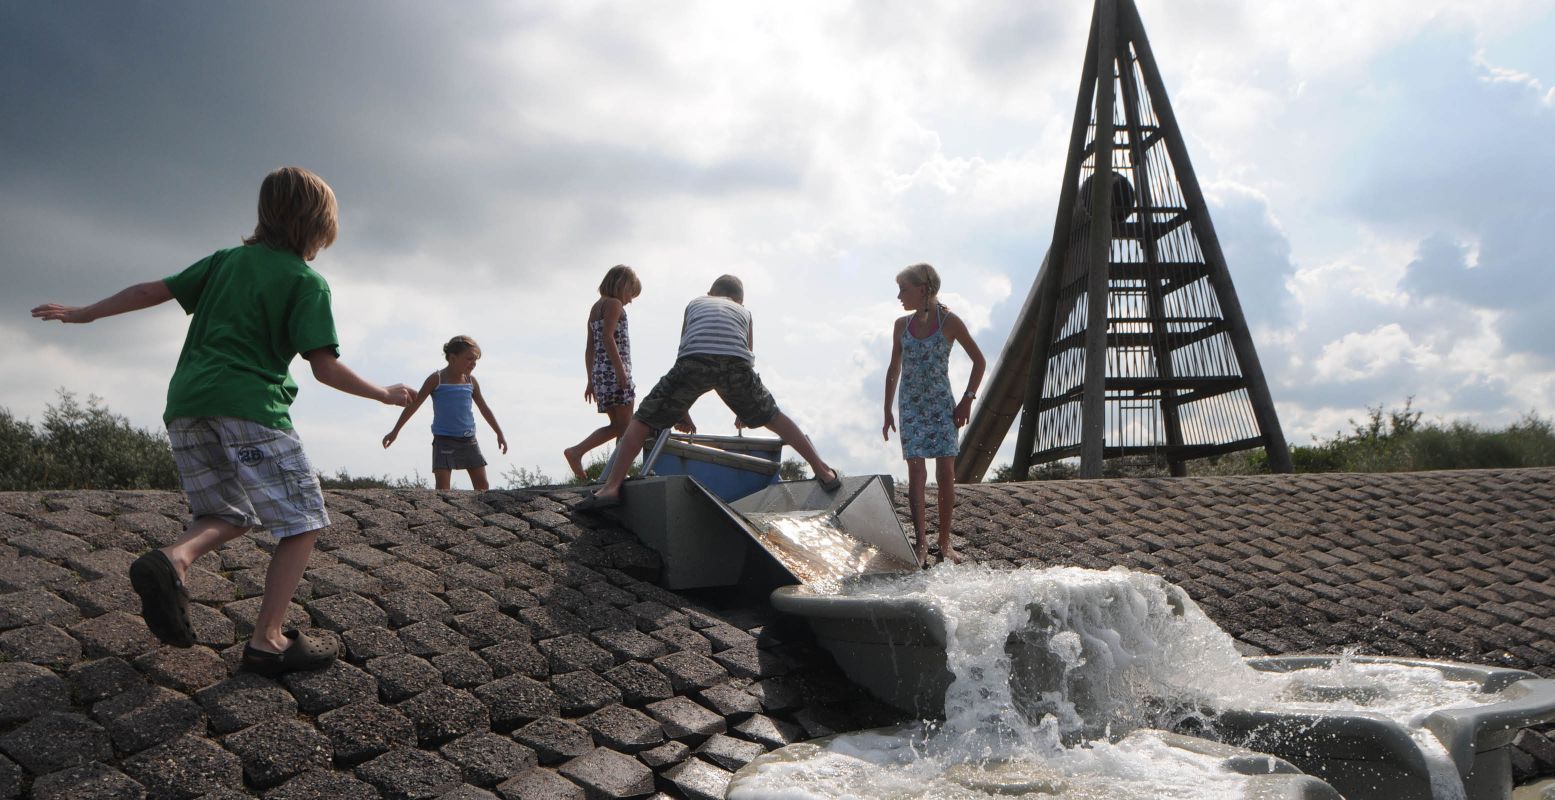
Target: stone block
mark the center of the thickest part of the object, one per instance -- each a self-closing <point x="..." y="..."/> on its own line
<point x="554" y="740"/>
<point x="345" y="611"/>
<point x="183" y="669"/>
<point x="581" y="691"/>
<point x="487" y="759"/>
<point x="274" y="751"/>
<point x="681" y="637"/>
<point x="104" y="677"/>
<point x="689" y="672"/>
<point x="443" y="713"/>
<point x="56" y="740"/>
<point x="94" y="781"/>
<point x="686" y="721"/>
<point x="189" y="766"/>
<point x="35" y="607"/>
<point x="730" y="700"/>
<point x="324" y="784"/>
<point x="489" y="627"/>
<point x="539" y="784"/>
<point x="516" y="658"/>
<point x="698" y="780"/>
<point x="729" y="752"/>
<point x="463" y="669"/>
<point x="407" y="774"/>
<point x="410" y="606"/>
<point x="402" y="676"/>
<point x="371" y="642"/>
<point x="245" y="699"/>
<point x="546" y="622"/>
<point x="630" y="645"/>
<point x="402" y="575"/>
<point x="640" y="683"/>
<point x="604" y="773"/>
<point x="769" y="732"/>
<point x="332" y="687"/>
<point x="113" y="634"/>
<point x="365" y="730"/>
<point x="40" y="644"/>
<point x="148" y="716"/>
<point x="626" y="730"/>
<point x="432" y="639"/>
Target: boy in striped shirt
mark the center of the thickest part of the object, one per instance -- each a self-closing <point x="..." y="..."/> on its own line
<point x="715" y="354"/>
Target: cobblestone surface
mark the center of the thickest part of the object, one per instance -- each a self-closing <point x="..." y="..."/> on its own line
<point x="498" y="645"/>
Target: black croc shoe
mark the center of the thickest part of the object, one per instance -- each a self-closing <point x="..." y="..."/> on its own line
<point x="305" y="653"/>
<point x="164" y="602"/>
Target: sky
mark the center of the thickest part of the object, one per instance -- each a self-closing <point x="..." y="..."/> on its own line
<point x="1380" y="175"/>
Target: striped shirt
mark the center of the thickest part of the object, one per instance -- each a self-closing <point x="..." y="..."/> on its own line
<point x="716" y="326"/>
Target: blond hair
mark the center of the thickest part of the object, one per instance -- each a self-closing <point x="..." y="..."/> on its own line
<point x="620" y="282"/>
<point x="458" y="345"/>
<point x="297" y="212"/>
<point x="728" y="286"/>
<point x="921" y="275"/>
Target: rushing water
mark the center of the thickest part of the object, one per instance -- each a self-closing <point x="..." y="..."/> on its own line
<point x="1052" y="667"/>
<point x="811" y="546"/>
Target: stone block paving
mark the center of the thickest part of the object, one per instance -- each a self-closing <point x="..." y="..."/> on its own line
<point x="493" y="645"/>
<point x="497" y="645"/>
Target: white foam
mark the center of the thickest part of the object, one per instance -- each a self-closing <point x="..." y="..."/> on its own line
<point x="1049" y="664"/>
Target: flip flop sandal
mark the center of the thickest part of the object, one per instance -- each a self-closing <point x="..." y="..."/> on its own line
<point x="305" y="653"/>
<point x="164" y="602"/>
<point x="595" y="502"/>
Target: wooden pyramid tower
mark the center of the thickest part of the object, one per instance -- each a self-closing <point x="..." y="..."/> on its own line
<point x="1131" y="341"/>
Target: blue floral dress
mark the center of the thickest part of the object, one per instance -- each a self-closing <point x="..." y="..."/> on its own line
<point x="925" y="403"/>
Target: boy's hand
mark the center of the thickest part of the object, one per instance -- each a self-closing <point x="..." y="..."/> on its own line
<point x="890" y="425"/>
<point x="54" y="311"/>
<point x="685" y="425"/>
<point x="399" y="395"/>
<point x="388" y="438"/>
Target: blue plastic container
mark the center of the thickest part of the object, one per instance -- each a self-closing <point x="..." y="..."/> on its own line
<point x="730" y="467"/>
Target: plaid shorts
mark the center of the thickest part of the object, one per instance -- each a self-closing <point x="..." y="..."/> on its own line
<point x="247" y="474"/>
<point x="692" y="376"/>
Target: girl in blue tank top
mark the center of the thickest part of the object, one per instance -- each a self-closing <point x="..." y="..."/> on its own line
<point x="455" y="395"/>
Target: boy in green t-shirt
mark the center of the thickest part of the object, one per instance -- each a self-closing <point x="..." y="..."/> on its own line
<point x="242" y="466"/>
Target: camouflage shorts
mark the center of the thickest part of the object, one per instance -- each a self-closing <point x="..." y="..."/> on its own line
<point x="247" y="474"/>
<point x="692" y="376"/>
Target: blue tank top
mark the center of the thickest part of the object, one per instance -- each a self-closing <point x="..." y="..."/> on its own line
<point x="453" y="409"/>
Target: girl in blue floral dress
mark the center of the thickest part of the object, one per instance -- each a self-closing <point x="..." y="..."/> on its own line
<point x="920" y="357"/>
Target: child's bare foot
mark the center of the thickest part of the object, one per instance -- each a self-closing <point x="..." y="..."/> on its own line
<point x="575" y="461"/>
<point x="948" y="553"/>
<point x="921" y="550"/>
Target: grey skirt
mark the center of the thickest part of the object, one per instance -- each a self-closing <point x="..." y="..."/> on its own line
<point x="453" y="453"/>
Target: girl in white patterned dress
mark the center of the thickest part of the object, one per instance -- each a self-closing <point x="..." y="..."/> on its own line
<point x="607" y="360"/>
<point x="920" y="357"/>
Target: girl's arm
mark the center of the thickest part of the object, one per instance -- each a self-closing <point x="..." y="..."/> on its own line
<point x="612" y="317"/>
<point x="892" y="373"/>
<point x="134" y="298"/>
<point x="410" y="410"/>
<point x="480" y="403"/>
<point x="588" y="363"/>
<point x="958" y="334"/>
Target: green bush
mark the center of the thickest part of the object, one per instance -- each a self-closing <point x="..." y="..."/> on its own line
<point x="82" y="447"/>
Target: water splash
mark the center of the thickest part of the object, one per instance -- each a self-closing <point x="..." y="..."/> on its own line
<point x="812" y="546"/>
<point x="1052" y="667"/>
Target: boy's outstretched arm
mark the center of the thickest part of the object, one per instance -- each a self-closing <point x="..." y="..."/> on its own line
<point x="134" y="298"/>
<point x="410" y="409"/>
<point x="330" y="372"/>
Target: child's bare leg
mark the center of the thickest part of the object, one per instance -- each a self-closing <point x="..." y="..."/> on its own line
<point x="917" y="476"/>
<point x="444" y="479"/>
<point x="626" y="452"/>
<point x="620" y="417"/>
<point x="281" y="578"/>
<point x="203" y="535"/>
<point x="945" y="477"/>
<point x="478" y="479"/>
<point x="789" y="432"/>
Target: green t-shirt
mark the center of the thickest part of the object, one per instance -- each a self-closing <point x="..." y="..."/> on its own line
<point x="254" y="310"/>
